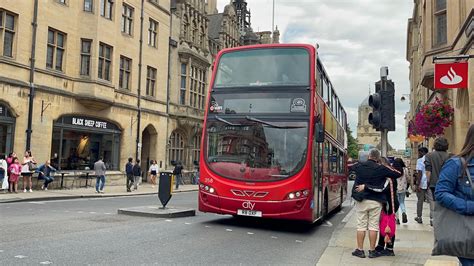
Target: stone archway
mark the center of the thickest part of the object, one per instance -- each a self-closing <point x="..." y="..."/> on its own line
<point x="149" y="143"/>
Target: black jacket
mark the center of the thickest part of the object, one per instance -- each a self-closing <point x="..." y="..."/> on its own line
<point x="129" y="168"/>
<point x="137" y="170"/>
<point x="372" y="174"/>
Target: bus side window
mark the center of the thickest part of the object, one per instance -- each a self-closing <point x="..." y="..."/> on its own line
<point x="326" y="158"/>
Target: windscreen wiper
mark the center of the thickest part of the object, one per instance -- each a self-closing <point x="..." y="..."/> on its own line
<point x="250" y="118"/>
<point x="225" y="121"/>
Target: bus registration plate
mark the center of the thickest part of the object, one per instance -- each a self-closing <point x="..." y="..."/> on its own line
<point x="249" y="213"/>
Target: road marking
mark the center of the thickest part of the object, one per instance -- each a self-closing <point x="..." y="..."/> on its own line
<point x="299" y="241"/>
<point x="46" y="262"/>
<point x="274" y="237"/>
<point x="1" y="250"/>
<point x="207" y="226"/>
<point x="228" y="230"/>
<point x="108" y="213"/>
<point x="80" y="212"/>
<point x="327" y="223"/>
<point x="66" y="211"/>
<point x="35" y="202"/>
<point x="20" y="256"/>
<point x="250" y="233"/>
<point x="187" y="223"/>
<point x="92" y="212"/>
<point x="168" y="220"/>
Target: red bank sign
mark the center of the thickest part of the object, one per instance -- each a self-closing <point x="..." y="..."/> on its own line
<point x="451" y="75"/>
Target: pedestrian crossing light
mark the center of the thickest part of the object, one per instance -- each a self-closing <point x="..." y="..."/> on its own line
<point x="383" y="106"/>
<point x="375" y="118"/>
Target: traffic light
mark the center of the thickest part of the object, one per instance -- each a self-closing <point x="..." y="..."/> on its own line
<point x="383" y="106"/>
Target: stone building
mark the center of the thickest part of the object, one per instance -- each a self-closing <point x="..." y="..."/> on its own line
<point x="223" y="30"/>
<point x="441" y="28"/>
<point x="366" y="134"/>
<point x="89" y="77"/>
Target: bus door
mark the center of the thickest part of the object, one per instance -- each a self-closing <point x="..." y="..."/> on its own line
<point x="318" y="178"/>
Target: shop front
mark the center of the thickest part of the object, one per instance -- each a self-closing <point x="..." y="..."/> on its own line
<point x="7" y="130"/>
<point x="79" y="141"/>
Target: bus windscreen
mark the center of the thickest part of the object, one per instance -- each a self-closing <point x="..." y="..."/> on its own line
<point x="264" y="67"/>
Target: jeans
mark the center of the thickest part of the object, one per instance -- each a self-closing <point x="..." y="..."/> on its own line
<point x="47" y="180"/>
<point x="129" y="182"/>
<point x="137" y="181"/>
<point x="466" y="262"/>
<point x="179" y="180"/>
<point x="100" y="180"/>
<point x="401" y="200"/>
<point x="424" y="193"/>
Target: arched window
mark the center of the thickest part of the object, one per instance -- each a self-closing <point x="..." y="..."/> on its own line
<point x="176" y="147"/>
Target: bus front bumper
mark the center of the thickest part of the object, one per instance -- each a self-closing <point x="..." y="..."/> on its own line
<point x="291" y="209"/>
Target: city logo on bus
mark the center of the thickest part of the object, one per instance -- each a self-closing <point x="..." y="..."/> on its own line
<point x="248" y="205"/>
<point x="215" y="107"/>
<point x="298" y="105"/>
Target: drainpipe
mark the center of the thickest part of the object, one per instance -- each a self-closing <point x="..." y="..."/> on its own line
<point x="168" y="81"/>
<point x="34" y="24"/>
<point x="139" y="95"/>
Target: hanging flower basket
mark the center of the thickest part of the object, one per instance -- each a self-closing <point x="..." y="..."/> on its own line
<point x="432" y="119"/>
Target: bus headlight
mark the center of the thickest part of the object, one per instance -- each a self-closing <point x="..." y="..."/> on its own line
<point x="300" y="194"/>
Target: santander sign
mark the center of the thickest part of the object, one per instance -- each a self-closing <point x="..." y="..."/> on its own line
<point x="451" y="75"/>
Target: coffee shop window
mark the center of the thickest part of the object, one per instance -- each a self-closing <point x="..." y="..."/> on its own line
<point x="78" y="142"/>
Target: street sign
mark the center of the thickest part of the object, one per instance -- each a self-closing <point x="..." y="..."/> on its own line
<point x="451" y="75"/>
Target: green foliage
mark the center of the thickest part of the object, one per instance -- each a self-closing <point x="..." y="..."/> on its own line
<point x="352" y="144"/>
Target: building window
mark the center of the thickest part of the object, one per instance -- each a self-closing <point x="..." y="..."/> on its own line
<point x="176" y="148"/>
<point x="196" y="147"/>
<point x="86" y="48"/>
<point x="152" y="33"/>
<point x="440" y="27"/>
<point x="150" y="81"/>
<point x="198" y="84"/>
<point x="7" y="32"/>
<point x="127" y="19"/>
<point x="88" y="5"/>
<point x="106" y="7"/>
<point x="105" y="61"/>
<point x="185" y="27"/>
<point x="125" y="70"/>
<point x="55" y="50"/>
<point x="182" y="96"/>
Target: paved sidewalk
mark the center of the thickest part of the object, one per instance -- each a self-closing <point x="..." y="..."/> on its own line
<point x="412" y="247"/>
<point x="110" y="191"/>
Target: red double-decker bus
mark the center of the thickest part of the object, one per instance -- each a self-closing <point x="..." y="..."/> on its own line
<point x="274" y="140"/>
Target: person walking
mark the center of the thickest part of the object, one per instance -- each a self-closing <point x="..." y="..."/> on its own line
<point x="129" y="173"/>
<point x="154" y="171"/>
<point x="421" y="187"/>
<point x="434" y="161"/>
<point x="3" y="174"/>
<point x="15" y="172"/>
<point x="99" y="168"/>
<point x="178" y="169"/>
<point x="45" y="170"/>
<point x="454" y="188"/>
<point x="403" y="182"/>
<point x="27" y="170"/>
<point x="369" y="201"/>
<point x="137" y="174"/>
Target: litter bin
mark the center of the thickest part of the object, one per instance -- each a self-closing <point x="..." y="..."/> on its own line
<point x="165" y="187"/>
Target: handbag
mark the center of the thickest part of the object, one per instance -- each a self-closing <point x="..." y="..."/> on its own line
<point x="453" y="232"/>
<point x="387" y="224"/>
<point x="32" y="166"/>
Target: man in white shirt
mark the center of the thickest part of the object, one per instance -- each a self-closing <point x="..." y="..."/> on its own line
<point x="421" y="186"/>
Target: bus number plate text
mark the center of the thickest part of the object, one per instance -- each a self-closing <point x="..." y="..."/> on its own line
<point x="249" y="213"/>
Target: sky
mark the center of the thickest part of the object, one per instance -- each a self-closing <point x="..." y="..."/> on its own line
<point x="355" y="37"/>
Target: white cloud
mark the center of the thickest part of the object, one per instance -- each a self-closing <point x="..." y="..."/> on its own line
<point x="356" y="38"/>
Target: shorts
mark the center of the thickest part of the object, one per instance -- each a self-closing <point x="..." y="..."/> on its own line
<point x="368" y="215"/>
<point x="153" y="172"/>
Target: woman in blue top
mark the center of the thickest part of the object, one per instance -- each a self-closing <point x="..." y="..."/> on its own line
<point x="454" y="190"/>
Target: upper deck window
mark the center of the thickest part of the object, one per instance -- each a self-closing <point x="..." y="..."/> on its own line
<point x="264" y="67"/>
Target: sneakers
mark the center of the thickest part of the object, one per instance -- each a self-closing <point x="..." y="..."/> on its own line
<point x="24" y="190"/>
<point x="419" y="220"/>
<point x="358" y="253"/>
<point x="374" y="254"/>
<point x="101" y="191"/>
<point x="45" y="188"/>
<point x="431" y="222"/>
<point x="30" y="190"/>
<point x="404" y="218"/>
<point x="387" y="252"/>
<point x="398" y="221"/>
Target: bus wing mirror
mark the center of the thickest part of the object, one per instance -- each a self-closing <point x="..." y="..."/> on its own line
<point x="319" y="132"/>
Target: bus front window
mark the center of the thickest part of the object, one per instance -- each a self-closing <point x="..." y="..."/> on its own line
<point x="256" y="150"/>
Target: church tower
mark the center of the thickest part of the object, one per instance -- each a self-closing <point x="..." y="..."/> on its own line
<point x="243" y="14"/>
<point x="366" y="134"/>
